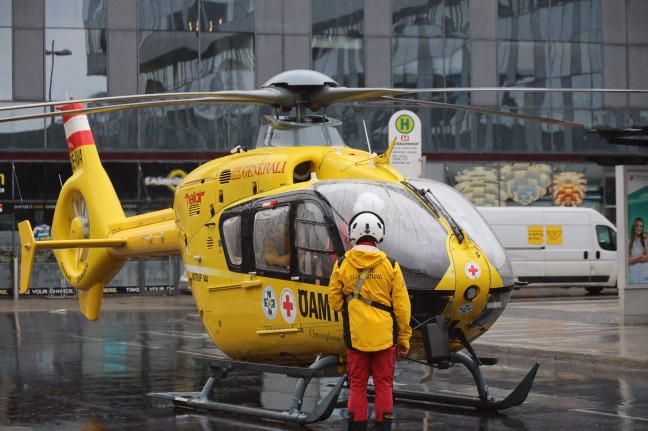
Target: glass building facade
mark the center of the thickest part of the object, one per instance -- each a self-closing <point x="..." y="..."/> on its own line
<point x="94" y="48"/>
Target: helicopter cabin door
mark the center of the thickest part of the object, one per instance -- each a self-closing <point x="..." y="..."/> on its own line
<point x="294" y="254"/>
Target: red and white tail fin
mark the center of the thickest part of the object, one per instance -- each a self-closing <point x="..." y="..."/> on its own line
<point x="86" y="207"/>
<point x="91" y="236"/>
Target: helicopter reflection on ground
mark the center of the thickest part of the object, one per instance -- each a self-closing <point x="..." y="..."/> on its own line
<point x="59" y="371"/>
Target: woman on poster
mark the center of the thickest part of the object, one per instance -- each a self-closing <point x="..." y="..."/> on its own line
<point x="637" y="253"/>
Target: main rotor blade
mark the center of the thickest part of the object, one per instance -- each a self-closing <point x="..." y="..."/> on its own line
<point x="535" y="118"/>
<point x="265" y="96"/>
<point x="328" y="96"/>
<point x="530" y="90"/>
<point x="137" y="105"/>
<point x="293" y="93"/>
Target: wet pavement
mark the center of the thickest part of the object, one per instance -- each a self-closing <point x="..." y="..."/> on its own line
<point x="586" y="331"/>
<point x="59" y="371"/>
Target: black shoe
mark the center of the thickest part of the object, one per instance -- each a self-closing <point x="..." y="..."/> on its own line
<point x="356" y="425"/>
<point x="385" y="424"/>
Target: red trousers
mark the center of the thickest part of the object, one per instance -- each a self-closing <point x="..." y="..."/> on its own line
<point x="381" y="366"/>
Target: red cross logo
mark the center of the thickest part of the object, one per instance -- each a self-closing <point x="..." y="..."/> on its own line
<point x="473" y="271"/>
<point x="288" y="305"/>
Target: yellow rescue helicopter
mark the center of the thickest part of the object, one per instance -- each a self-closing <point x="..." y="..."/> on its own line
<point x="259" y="231"/>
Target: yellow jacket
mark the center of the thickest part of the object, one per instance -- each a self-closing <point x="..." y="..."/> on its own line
<point x="371" y="329"/>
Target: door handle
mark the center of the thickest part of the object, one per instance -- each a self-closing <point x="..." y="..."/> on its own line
<point x="585" y="255"/>
<point x="598" y="254"/>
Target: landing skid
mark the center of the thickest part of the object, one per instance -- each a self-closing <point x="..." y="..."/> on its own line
<point x="219" y="368"/>
<point x="484" y="401"/>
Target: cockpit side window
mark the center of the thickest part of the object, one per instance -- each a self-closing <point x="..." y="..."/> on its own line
<point x="315" y="251"/>
<point x="232" y="240"/>
<point x="271" y="239"/>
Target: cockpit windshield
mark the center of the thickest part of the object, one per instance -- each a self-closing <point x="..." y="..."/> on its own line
<point x="470" y="220"/>
<point x="309" y="133"/>
<point x="413" y="236"/>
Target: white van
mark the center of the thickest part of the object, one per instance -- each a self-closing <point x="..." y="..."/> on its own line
<point x="557" y="246"/>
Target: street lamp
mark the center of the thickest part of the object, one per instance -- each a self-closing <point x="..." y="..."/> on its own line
<point x="54" y="53"/>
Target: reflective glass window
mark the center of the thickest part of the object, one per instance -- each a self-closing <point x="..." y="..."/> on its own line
<point x="338" y="17"/>
<point x="315" y="251"/>
<point x="550" y="43"/>
<point x="576" y="65"/>
<point x="519" y="184"/>
<point x="271" y="239"/>
<point x="5" y="13"/>
<point x="523" y="20"/>
<point x="337" y="43"/>
<point x="178" y="61"/>
<point x="576" y="20"/>
<point x="522" y="63"/>
<point x="21" y="135"/>
<point x="172" y="61"/>
<point x="127" y="277"/>
<point x="430" y="45"/>
<point x="76" y="66"/>
<point x="424" y="18"/>
<point x="75" y="14"/>
<point x="428" y="62"/>
<point x="189" y="128"/>
<point x="158" y="274"/>
<point x="205" y="15"/>
<point x="232" y="237"/>
<point x="606" y="237"/>
<point x="6" y="73"/>
<point x="300" y="135"/>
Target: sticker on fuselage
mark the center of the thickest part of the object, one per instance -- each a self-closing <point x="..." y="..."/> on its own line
<point x="269" y="303"/>
<point x="288" y="306"/>
<point x="473" y="271"/>
<point x="466" y="308"/>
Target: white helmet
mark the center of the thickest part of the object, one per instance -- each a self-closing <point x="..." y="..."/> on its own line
<point x="368" y="224"/>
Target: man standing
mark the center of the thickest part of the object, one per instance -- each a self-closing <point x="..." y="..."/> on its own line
<point x="369" y="290"/>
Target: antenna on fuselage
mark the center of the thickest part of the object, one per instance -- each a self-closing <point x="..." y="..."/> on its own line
<point x="371" y="161"/>
<point x="364" y="124"/>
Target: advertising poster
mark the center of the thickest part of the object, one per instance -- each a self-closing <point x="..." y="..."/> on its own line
<point x="637" y="247"/>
